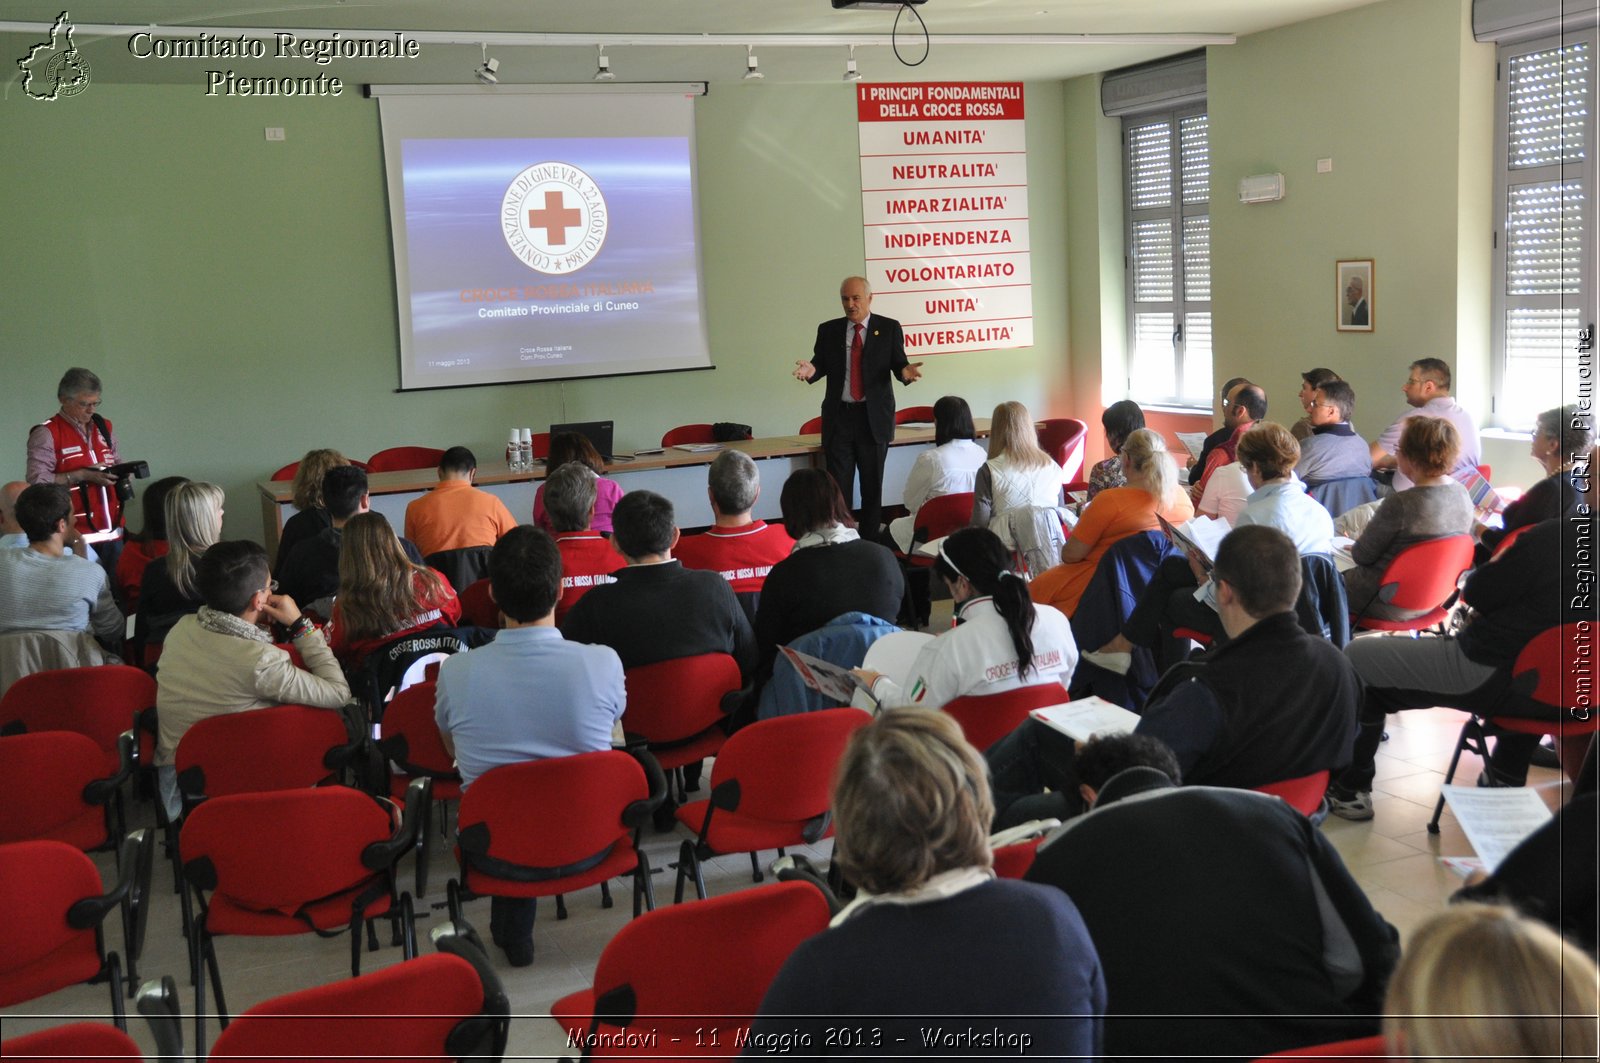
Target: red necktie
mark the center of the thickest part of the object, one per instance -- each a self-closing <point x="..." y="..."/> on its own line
<point x="856" y="391"/>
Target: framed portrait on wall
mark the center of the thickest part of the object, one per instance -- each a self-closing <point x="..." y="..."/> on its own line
<point x="1355" y="298"/>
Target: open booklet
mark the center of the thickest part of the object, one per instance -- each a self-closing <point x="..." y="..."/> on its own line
<point x="1193" y="442"/>
<point x="1087" y="718"/>
<point x="826" y="678"/>
<point x="1199" y="537"/>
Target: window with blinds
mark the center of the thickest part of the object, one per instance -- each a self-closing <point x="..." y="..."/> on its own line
<point x="1544" y="246"/>
<point x="1168" y="169"/>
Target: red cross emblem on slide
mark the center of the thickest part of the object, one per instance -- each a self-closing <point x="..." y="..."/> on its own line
<point x="555" y="218"/>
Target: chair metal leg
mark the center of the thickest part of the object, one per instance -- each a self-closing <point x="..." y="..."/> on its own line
<point x="561" y="906"/>
<point x="605" y="895"/>
<point x="355" y="945"/>
<point x="755" y="868"/>
<point x="686" y="860"/>
<point x="644" y="889"/>
<point x="1455" y="758"/>
<point x="408" y="928"/>
<point x="424" y="849"/>
<point x="119" y="1011"/>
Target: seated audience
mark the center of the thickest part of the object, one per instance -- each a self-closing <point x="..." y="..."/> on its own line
<point x="1216" y="438"/>
<point x="1181" y="594"/>
<point x="948" y="469"/>
<point x="311" y="574"/>
<point x="221" y="660"/>
<point x="1008" y="958"/>
<point x="1561" y="441"/>
<point x="587" y="558"/>
<point x="739" y="548"/>
<point x="1115" y="514"/>
<point x="1158" y="871"/>
<point x="311" y="515"/>
<point x="168" y="590"/>
<point x="1427" y="391"/>
<point x="456" y="515"/>
<point x="655" y="609"/>
<point x="1018" y="474"/>
<point x="45" y="586"/>
<point x="145" y="546"/>
<point x="1246" y="405"/>
<point x="1434" y="506"/>
<point x="1120" y="420"/>
<point x="382" y="595"/>
<point x="1271" y="703"/>
<point x="1001" y="640"/>
<point x="13" y="537"/>
<point x="1533" y="586"/>
<point x="575" y="446"/>
<point x="831" y="571"/>
<point x="1310" y="381"/>
<point x="1331" y="450"/>
<point x="1482" y="982"/>
<point x="528" y="695"/>
<point x="1226" y="493"/>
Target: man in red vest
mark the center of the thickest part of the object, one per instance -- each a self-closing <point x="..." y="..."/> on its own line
<point x="73" y="448"/>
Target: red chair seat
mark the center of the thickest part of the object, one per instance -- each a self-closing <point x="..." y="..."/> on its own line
<point x="705" y="744"/>
<point x="1423" y="576"/>
<point x="76" y="1040"/>
<point x="987" y="718"/>
<point x="39" y="882"/>
<point x="734" y="832"/>
<point x="227" y="916"/>
<point x="71" y="963"/>
<point x="1013" y="861"/>
<point x="620" y="861"/>
<point x="1303" y="794"/>
<point x="48" y="771"/>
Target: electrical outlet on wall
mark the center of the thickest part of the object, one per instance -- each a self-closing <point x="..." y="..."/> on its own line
<point x="274" y="132"/>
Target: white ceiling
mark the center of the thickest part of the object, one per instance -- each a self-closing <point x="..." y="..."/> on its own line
<point x="23" y="22"/>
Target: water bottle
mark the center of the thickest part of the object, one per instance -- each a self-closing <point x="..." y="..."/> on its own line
<point x="514" y="451"/>
<point x="525" y="448"/>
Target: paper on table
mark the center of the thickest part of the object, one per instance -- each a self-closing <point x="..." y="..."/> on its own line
<point x="1087" y="718"/>
<point x="698" y="448"/>
<point x="1193" y="442"/>
<point x="1495" y="819"/>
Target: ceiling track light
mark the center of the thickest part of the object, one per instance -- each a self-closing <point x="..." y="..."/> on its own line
<point x="603" y="66"/>
<point x="850" y="71"/>
<point x="489" y="72"/>
<point x="750" y="71"/>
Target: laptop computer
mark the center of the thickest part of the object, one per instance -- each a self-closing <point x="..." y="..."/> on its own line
<point x="598" y="433"/>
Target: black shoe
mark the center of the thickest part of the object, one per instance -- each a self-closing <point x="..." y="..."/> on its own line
<point x="1544" y="755"/>
<point x="519" y="954"/>
<point x="497" y="923"/>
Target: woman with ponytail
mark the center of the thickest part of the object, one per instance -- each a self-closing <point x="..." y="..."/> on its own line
<point x="1001" y="641"/>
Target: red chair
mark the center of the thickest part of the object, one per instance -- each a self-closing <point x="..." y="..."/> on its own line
<point x="397" y="459"/>
<point x="1544" y="678"/>
<point x="477" y="607"/>
<point x="288" y="472"/>
<point x="1424" y="577"/>
<point x="447" y="1005"/>
<point x="688" y="433"/>
<point x="676" y="708"/>
<point x="56" y="789"/>
<point x="51" y="936"/>
<point x="1374" y="1048"/>
<point x="503" y="851"/>
<point x="541" y="444"/>
<point x="739" y="942"/>
<point x="1303" y="794"/>
<point x="409" y="740"/>
<point x="294" y="862"/>
<point x="938" y="517"/>
<point x="1512" y="536"/>
<point x="1062" y="438"/>
<point x="75" y="1040"/>
<point x="1013" y="861"/>
<point x="99" y="702"/>
<point x="811" y="427"/>
<point x="987" y="718"/>
<point x="282" y="747"/>
<point x="918" y="414"/>
<point x="771" y="787"/>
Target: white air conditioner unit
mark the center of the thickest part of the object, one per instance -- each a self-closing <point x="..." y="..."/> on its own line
<point x="1261" y="188"/>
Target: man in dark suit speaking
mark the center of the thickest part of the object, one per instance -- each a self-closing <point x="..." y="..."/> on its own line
<point x="856" y="354"/>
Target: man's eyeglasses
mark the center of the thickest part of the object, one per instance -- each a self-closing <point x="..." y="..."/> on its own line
<point x="95" y="405"/>
<point x="1324" y="405"/>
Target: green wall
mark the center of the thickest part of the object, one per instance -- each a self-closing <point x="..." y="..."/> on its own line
<point x="1401" y="98"/>
<point x="237" y="296"/>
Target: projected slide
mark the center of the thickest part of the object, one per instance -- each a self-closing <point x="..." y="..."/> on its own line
<point x="545" y="257"/>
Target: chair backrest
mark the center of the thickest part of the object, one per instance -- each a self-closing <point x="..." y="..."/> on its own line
<point x="1512" y="536"/>
<point x="288" y="472"/>
<point x="47" y="777"/>
<point x="987" y="718"/>
<point x="461" y="567"/>
<point x="477" y="607"/>
<point x="672" y="700"/>
<point x="23" y="653"/>
<point x="1424" y="574"/>
<point x="811" y="427"/>
<point x="541" y="444"/>
<point x="408" y="1011"/>
<point x="410" y="734"/>
<point x="941" y="515"/>
<point x="739" y="941"/>
<point x="75" y="1040"/>
<point x="784" y="766"/>
<point x="688" y="433"/>
<point x="917" y="414"/>
<point x="1546" y="670"/>
<point x="1013" y="861"/>
<point x="494" y="815"/>
<point x="40" y="951"/>
<point x="394" y="459"/>
<point x="283" y="747"/>
<point x="1303" y="794"/>
<point x="1062" y="438"/>
<point x="100" y="702"/>
<point x="275" y="852"/>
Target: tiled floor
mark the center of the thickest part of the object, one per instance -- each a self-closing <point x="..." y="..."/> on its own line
<point x="1393" y="858"/>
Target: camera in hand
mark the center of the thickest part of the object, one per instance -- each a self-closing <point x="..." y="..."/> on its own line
<point x="126" y="472"/>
